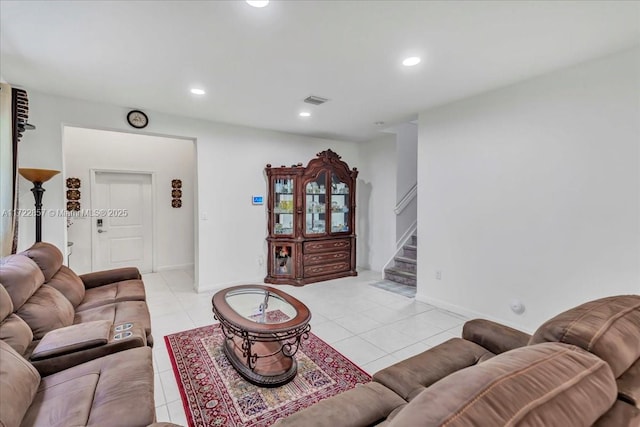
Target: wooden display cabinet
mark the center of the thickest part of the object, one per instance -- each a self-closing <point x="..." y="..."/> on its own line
<point x="311" y="210"/>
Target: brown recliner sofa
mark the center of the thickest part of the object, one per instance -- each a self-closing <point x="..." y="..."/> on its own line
<point x="580" y="368"/>
<point x="57" y="319"/>
<point x="115" y="390"/>
<point x="73" y="349"/>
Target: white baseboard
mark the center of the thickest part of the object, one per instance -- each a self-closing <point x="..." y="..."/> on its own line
<point x="176" y="267"/>
<point x="471" y="314"/>
<point x="218" y="286"/>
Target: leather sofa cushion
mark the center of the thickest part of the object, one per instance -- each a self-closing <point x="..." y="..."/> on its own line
<point x="607" y="327"/>
<point x="6" y="305"/>
<point x="128" y="290"/>
<point x="21" y="277"/>
<point x="15" y="332"/>
<point x="117" y="313"/>
<point x="46" y="310"/>
<point x="629" y="385"/>
<point x="549" y="384"/>
<point x="621" y="414"/>
<point x="68" y="284"/>
<point x="18" y="386"/>
<point x="47" y="256"/>
<point x="364" y="405"/>
<point x="92" y="394"/>
<point x="410" y="377"/>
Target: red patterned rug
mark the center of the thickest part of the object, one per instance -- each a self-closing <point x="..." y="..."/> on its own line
<point x="214" y="394"/>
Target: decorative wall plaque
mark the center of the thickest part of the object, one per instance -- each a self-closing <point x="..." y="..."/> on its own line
<point x="176" y="193"/>
<point x="73" y="194"/>
<point x="73" y="182"/>
<point x="73" y="206"/>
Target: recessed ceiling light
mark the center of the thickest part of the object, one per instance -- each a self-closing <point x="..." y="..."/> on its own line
<point x="258" y="3"/>
<point x="305" y="114"/>
<point x="197" y="91"/>
<point x="411" y="61"/>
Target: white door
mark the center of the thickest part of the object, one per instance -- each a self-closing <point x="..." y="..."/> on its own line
<point x="123" y="223"/>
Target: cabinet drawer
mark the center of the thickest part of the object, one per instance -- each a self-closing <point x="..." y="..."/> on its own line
<point x="326" y="258"/>
<point x="326" y="246"/>
<point x="321" y="270"/>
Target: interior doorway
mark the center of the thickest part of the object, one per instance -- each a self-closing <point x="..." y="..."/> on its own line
<point x="122" y="220"/>
<point x="127" y="170"/>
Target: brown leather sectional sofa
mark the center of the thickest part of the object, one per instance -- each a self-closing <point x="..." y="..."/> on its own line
<point x="74" y="350"/>
<point x="581" y="368"/>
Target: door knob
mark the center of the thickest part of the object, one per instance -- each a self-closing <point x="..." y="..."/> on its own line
<point x="102" y="231"/>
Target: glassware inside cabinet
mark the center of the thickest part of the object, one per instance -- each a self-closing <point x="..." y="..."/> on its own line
<point x="339" y="205"/>
<point x="315" y="205"/>
<point x="283" y="209"/>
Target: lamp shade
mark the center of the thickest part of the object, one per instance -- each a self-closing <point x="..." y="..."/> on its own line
<point x="38" y="175"/>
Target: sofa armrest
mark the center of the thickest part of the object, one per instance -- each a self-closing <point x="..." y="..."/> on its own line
<point x="101" y="278"/>
<point x="72" y="338"/>
<point x="621" y="414"/>
<point x="364" y="405"/>
<point x="493" y="336"/>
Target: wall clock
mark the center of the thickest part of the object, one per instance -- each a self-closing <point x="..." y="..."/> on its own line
<point x="137" y="119"/>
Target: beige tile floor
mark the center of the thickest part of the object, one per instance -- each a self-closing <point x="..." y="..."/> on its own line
<point x="372" y="327"/>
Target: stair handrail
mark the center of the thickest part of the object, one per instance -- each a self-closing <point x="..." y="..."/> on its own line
<point x="406" y="199"/>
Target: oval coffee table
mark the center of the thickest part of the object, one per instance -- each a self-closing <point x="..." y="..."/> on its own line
<point x="263" y="328"/>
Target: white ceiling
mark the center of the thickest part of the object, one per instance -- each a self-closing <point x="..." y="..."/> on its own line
<point x="258" y="64"/>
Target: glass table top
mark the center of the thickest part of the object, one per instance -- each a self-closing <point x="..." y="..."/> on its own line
<point x="260" y="305"/>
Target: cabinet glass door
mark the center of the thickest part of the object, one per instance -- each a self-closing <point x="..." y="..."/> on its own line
<point x="283" y="218"/>
<point x="282" y="256"/>
<point x="315" y="205"/>
<point x="339" y="205"/>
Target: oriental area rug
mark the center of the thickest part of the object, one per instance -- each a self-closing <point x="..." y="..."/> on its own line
<point x="214" y="394"/>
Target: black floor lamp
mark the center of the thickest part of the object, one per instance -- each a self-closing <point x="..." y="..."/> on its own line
<point x="37" y="177"/>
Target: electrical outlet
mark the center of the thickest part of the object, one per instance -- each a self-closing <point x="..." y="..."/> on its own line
<point x="438" y="274"/>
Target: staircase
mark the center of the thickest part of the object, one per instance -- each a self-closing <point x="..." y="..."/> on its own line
<point x="404" y="269"/>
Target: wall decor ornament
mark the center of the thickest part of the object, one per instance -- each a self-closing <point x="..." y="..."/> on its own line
<point x="73" y="194"/>
<point x="176" y="193"/>
<point x="73" y="206"/>
<point x="73" y="182"/>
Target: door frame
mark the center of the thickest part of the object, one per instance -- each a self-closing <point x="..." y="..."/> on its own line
<point x="94" y="226"/>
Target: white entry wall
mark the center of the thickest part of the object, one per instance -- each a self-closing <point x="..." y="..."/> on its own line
<point x="166" y="158"/>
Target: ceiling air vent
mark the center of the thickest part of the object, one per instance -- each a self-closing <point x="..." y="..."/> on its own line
<point x="315" y="100"/>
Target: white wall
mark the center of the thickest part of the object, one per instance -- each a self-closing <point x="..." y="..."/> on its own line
<point x="407" y="148"/>
<point x="168" y="158"/>
<point x="230" y="169"/>
<point x="407" y="171"/>
<point x="533" y="192"/>
<point x="376" y="196"/>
